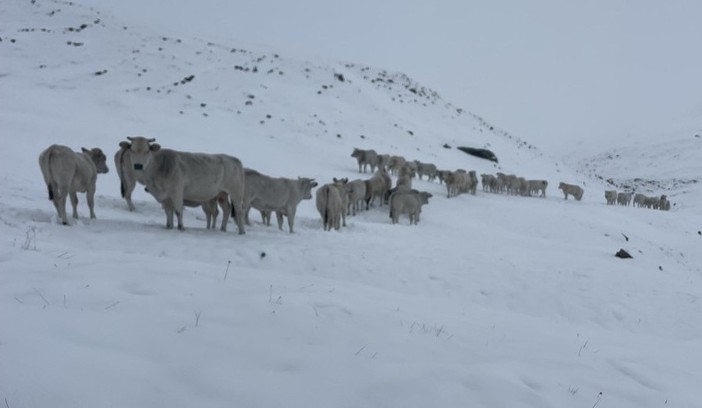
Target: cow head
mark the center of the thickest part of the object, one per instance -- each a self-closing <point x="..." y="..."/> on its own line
<point x="341" y="180"/>
<point x="141" y="149"/>
<point x="98" y="158"/>
<point x="307" y="185"/>
<point x="425" y="196"/>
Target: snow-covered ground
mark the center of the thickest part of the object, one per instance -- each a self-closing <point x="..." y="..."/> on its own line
<point x="492" y="300"/>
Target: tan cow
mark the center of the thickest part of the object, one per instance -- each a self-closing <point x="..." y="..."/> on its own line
<point x="571" y="189"/>
<point x="408" y="202"/>
<point x="174" y="177"/>
<point x="611" y="197"/>
<point x="67" y="172"/>
<point x="377" y="186"/>
<point x="365" y="159"/>
<point x="279" y="194"/>
<point x="128" y="177"/>
<point x="330" y="205"/>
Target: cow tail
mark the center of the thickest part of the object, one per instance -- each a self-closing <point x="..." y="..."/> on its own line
<point x="46" y="172"/>
<point x="326" y="208"/>
<point x="119" y="172"/>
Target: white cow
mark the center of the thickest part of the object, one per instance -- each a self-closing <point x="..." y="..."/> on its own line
<point x="128" y="177"/>
<point x="278" y="194"/>
<point x="537" y="187"/>
<point x="377" y="186"/>
<point x="356" y="195"/>
<point x="611" y="197"/>
<point x="365" y="159"/>
<point x="67" y="172"/>
<point x="174" y="177"/>
<point x="571" y="189"/>
<point x="408" y="202"/>
<point x="624" y="199"/>
<point x="330" y="205"/>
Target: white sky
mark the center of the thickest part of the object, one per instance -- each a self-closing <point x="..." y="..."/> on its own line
<point x="550" y="71"/>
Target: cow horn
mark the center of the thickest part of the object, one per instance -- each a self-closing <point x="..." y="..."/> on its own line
<point x="153" y="139"/>
<point x="131" y="139"/>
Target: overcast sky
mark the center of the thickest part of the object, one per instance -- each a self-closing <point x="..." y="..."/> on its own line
<point x="553" y="72"/>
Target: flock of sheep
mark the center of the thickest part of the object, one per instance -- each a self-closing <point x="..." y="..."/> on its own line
<point x="213" y="181"/>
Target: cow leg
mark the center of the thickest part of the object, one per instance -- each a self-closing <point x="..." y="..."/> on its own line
<point x="226" y="209"/>
<point x="128" y="190"/>
<point x="279" y="216"/>
<point x="239" y="214"/>
<point x="179" y="214"/>
<point x="246" y="210"/>
<point x="266" y="217"/>
<point x="60" y="203"/>
<point x="168" y="209"/>
<point x="74" y="204"/>
<point x="90" y="194"/>
<point x="291" y="219"/>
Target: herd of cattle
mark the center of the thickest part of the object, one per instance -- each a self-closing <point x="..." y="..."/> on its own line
<point x="218" y="181"/>
<point x="639" y="200"/>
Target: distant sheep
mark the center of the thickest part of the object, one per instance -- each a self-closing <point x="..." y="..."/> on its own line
<point x="571" y="189"/>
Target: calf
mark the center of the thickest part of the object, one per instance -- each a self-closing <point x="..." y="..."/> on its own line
<point x="67" y="172"/>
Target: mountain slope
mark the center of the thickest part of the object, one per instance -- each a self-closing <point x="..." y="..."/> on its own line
<point x="492" y="300"/>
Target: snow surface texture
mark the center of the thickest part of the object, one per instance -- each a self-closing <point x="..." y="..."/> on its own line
<point x="492" y="300"/>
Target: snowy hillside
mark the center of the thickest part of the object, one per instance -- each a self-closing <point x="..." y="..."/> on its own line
<point x="492" y="300"/>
